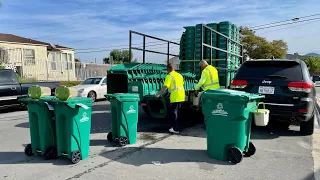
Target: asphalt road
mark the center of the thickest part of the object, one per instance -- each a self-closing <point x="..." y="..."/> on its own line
<point x="281" y="154"/>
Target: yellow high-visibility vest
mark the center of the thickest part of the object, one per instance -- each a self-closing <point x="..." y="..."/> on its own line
<point x="174" y="81"/>
<point x="212" y="78"/>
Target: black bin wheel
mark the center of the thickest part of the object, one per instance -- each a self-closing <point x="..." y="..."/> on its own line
<point x="50" y="153"/>
<point x="28" y="150"/>
<point x="251" y="150"/>
<point x="75" y="156"/>
<point x="109" y="137"/>
<point x="234" y="155"/>
<point x="123" y="140"/>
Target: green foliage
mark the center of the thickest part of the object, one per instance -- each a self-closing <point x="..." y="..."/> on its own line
<point x="69" y="83"/>
<point x="25" y="80"/>
<point x="313" y="63"/>
<point x="118" y="57"/>
<point x="257" y="47"/>
<point x="76" y="60"/>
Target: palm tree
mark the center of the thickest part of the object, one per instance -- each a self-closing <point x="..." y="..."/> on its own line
<point x="313" y="63"/>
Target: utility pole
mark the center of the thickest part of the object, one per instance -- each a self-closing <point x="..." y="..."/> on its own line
<point x="95" y="60"/>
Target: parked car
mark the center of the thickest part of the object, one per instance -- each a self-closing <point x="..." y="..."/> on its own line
<point x="11" y="90"/>
<point x="94" y="88"/>
<point x="316" y="80"/>
<point x="289" y="92"/>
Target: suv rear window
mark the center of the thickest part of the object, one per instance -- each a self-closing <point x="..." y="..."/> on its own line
<point x="261" y="70"/>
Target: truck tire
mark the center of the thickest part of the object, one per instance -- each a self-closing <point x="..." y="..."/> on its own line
<point x="145" y="109"/>
<point x="307" y="127"/>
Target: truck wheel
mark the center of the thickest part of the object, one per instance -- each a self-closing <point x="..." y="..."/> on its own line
<point x="145" y="109"/>
<point x="308" y="126"/>
<point x="92" y="95"/>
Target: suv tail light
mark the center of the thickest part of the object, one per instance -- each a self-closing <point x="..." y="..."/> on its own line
<point x="238" y="84"/>
<point x="300" y="86"/>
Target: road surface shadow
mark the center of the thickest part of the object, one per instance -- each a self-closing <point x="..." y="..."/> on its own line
<point x="310" y="177"/>
<point x="21" y="158"/>
<point x="23" y="125"/>
<point x="164" y="156"/>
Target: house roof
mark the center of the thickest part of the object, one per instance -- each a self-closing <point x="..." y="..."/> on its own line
<point x="18" y="39"/>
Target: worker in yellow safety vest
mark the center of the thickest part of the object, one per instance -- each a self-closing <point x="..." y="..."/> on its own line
<point x="174" y="83"/>
<point x="209" y="78"/>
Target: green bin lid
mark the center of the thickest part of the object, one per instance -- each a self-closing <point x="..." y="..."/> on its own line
<point x="72" y="102"/>
<point x="230" y="95"/>
<point x="124" y="96"/>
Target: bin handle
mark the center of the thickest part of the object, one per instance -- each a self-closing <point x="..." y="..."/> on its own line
<point x="263" y="105"/>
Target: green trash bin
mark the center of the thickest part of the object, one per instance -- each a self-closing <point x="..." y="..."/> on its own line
<point x="124" y="112"/>
<point x="73" y="125"/>
<point x="42" y="128"/>
<point x="228" y="116"/>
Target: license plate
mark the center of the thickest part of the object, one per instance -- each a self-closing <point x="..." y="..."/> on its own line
<point x="266" y="90"/>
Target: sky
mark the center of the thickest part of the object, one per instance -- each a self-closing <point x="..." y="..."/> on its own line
<point x="95" y="27"/>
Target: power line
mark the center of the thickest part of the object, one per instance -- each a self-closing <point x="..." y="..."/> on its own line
<point x="294" y="19"/>
<point x="290" y="27"/>
<point x="285" y="24"/>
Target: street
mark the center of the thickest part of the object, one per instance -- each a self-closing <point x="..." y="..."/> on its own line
<point x="281" y="154"/>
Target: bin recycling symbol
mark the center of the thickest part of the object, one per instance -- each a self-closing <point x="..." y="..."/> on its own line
<point x="219" y="111"/>
<point x="131" y="110"/>
<point x="84" y="118"/>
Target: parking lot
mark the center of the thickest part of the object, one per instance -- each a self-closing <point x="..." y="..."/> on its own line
<point x="281" y="154"/>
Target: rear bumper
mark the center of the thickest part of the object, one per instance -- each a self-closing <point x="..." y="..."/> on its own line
<point x="290" y="113"/>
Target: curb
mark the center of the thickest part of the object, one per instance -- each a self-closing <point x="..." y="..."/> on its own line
<point x="316" y="148"/>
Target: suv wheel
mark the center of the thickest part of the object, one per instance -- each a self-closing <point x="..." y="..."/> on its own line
<point x="307" y="127"/>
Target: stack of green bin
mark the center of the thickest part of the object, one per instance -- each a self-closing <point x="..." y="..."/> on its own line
<point x="124" y="112"/>
<point x="42" y="128"/>
<point x="228" y="116"/>
<point x="73" y="125"/>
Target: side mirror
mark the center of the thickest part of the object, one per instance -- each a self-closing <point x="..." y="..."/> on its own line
<point x="103" y="84"/>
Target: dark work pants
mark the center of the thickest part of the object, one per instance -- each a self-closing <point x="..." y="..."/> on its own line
<point x="173" y="115"/>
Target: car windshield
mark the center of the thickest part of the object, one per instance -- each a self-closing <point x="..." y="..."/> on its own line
<point x="288" y="70"/>
<point x="6" y="77"/>
<point x="91" y="81"/>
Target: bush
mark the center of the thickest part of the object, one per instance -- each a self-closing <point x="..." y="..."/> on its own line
<point x="70" y="83"/>
<point x="25" y="80"/>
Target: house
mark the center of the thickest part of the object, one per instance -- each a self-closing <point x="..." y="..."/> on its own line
<point x="37" y="60"/>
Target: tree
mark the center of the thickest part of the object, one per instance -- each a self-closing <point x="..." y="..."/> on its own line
<point x="313" y="63"/>
<point x="76" y="60"/>
<point x="118" y="57"/>
<point x="257" y="47"/>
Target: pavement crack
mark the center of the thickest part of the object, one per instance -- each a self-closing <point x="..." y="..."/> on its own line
<point x="123" y="155"/>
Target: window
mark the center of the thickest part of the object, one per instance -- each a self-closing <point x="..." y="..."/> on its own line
<point x="70" y="61"/>
<point x="91" y="81"/>
<point x="64" y="61"/>
<point x="52" y="58"/>
<point x="104" y="81"/>
<point x="261" y="70"/>
<point x="29" y="56"/>
<point x="7" y="77"/>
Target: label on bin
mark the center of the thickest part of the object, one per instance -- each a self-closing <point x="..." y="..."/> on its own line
<point x="83" y="106"/>
<point x="131" y="110"/>
<point x="51" y="108"/>
<point x="84" y="118"/>
<point x="219" y="111"/>
<point x="135" y="89"/>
